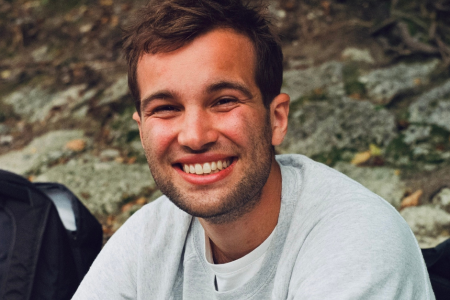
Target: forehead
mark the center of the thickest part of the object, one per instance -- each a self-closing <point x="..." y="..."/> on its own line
<point x="221" y="54"/>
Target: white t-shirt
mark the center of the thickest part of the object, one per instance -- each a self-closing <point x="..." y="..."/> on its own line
<point x="238" y="272"/>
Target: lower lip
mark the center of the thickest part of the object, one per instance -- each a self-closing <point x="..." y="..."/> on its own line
<point x="206" y="179"/>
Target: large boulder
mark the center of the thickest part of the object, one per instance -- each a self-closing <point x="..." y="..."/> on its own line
<point x="328" y="78"/>
<point x="433" y="107"/>
<point x="429" y="224"/>
<point x="383" y="85"/>
<point x="35" y="104"/>
<point x="383" y="181"/>
<point x="426" y="220"/>
<point x="42" y="151"/>
<point x="102" y="186"/>
<point x="323" y="126"/>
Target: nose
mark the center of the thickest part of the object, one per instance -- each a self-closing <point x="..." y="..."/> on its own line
<point x="197" y="130"/>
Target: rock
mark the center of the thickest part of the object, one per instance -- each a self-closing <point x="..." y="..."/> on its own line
<point x="109" y="154"/>
<point x="319" y="127"/>
<point x="416" y="133"/>
<point x="44" y="101"/>
<point x="383" y="85"/>
<point x="358" y="55"/>
<point x="442" y="199"/>
<point x="4" y="129"/>
<point x="40" y="152"/>
<point x="42" y="54"/>
<point x="6" y="139"/>
<point x="300" y="83"/>
<point x="383" y="181"/>
<point x="102" y="186"/>
<point x="433" y="107"/>
<point x="115" y="92"/>
<point x="431" y="242"/>
<point x="427" y="220"/>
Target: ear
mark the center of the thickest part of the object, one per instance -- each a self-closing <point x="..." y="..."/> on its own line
<point x="137" y="118"/>
<point x="279" y="111"/>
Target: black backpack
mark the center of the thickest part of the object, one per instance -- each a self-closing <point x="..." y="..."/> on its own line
<point x="39" y="257"/>
<point x="438" y="264"/>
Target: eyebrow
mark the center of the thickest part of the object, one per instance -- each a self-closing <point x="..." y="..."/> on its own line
<point x="223" y="85"/>
<point x="164" y="94"/>
<point x="215" y="87"/>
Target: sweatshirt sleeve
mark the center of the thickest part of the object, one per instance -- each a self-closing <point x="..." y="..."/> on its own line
<point x="112" y="276"/>
<point x="142" y="258"/>
<point x="362" y="251"/>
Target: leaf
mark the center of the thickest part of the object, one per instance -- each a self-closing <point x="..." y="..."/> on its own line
<point x="411" y="200"/>
<point x="361" y="157"/>
<point x="374" y="150"/>
<point x="77" y="145"/>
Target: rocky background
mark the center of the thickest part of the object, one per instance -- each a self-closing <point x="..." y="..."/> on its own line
<point x="369" y="83"/>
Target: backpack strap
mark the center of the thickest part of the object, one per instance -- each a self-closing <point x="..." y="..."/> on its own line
<point x="15" y="192"/>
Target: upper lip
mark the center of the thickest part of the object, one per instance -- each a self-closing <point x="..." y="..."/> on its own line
<point x="201" y="158"/>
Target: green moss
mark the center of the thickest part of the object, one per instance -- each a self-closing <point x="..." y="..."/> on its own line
<point x="352" y="86"/>
<point x="398" y="148"/>
<point x="132" y="135"/>
<point x="329" y="158"/>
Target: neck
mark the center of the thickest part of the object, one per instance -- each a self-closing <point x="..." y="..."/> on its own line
<point x="231" y="241"/>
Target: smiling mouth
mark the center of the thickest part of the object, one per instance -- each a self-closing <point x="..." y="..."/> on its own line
<point x="207" y="167"/>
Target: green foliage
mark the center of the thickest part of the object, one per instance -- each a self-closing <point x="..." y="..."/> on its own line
<point x="329" y="158"/>
<point x="398" y="148"/>
<point x="432" y="149"/>
<point x="352" y="85"/>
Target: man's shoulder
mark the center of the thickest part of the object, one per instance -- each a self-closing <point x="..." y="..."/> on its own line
<point x="308" y="177"/>
<point x="160" y="212"/>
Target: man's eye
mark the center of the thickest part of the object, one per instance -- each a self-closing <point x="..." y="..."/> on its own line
<point x="226" y="101"/>
<point x="164" y="110"/>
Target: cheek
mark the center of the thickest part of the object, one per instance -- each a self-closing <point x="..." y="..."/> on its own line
<point x="157" y="137"/>
<point x="242" y="127"/>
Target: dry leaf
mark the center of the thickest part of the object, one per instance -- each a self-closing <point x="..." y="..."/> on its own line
<point x="397" y="172"/>
<point x="76" y="145"/>
<point x="141" y="201"/>
<point x="126" y="207"/>
<point x="361" y="157"/>
<point x="106" y="2"/>
<point x="411" y="200"/>
<point x="131" y="160"/>
<point x="417" y="81"/>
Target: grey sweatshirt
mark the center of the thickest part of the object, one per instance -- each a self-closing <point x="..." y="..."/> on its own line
<point x="334" y="240"/>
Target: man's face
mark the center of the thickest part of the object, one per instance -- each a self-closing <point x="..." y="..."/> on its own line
<point x="202" y="112"/>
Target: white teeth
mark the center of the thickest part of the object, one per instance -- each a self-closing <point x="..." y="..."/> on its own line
<point x="206" y="168"/>
<point x="198" y="169"/>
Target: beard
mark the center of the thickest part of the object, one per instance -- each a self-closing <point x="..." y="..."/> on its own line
<point x="240" y="198"/>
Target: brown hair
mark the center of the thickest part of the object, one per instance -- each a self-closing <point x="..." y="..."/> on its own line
<point x="167" y="25"/>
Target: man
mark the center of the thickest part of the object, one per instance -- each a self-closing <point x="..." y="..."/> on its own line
<point x="236" y="222"/>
